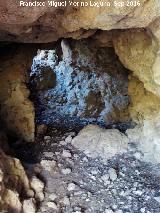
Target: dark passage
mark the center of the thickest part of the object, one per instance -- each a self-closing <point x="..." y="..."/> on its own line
<point x="77" y="83"/>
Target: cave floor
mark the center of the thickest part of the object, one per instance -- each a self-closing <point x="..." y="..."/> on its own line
<point x="75" y="183"/>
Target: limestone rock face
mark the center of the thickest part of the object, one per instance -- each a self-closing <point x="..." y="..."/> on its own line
<point x="147" y="139"/>
<point x="144" y="105"/>
<point x="144" y="109"/>
<point x="16" y="191"/>
<point x="138" y="51"/>
<point x="17" y="112"/>
<point x="155" y="30"/>
<point x="13" y="181"/>
<point x="45" y="24"/>
<point x="97" y="142"/>
<point x="91" y="83"/>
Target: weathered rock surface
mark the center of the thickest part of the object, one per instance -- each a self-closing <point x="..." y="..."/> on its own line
<point x="90" y="83"/>
<point x="144" y="109"/>
<point x="138" y="51"/>
<point x="29" y="206"/>
<point x="38" y="187"/>
<point x="121" y="184"/>
<point x="14" y="183"/>
<point x="45" y="24"/>
<point x="147" y="139"/>
<point x="92" y="88"/>
<point x="144" y="105"/>
<point x="100" y="143"/>
<point x="16" y="110"/>
<point x="20" y="190"/>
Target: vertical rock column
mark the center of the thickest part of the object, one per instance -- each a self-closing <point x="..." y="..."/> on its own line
<point x="138" y="50"/>
<point x="16" y="110"/>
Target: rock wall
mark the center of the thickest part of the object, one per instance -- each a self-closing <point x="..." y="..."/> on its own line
<point x="144" y="109"/>
<point x="16" y="110"/>
<point x="144" y="104"/>
<point x="21" y="191"/>
<point x="13" y="179"/>
<point x="139" y="51"/>
<point x="136" y="42"/>
<point x="46" y="24"/>
<point x="84" y="82"/>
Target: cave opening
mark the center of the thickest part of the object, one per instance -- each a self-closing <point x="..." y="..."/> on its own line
<point x="69" y="110"/>
<point x="72" y="83"/>
<point x="80" y="107"/>
<point x="78" y="83"/>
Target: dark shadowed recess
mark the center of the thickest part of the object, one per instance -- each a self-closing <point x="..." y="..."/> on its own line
<point x="31" y="152"/>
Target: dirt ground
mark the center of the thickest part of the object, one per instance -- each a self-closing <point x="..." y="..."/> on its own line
<point x="76" y="183"/>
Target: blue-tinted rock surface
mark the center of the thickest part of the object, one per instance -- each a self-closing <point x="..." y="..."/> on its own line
<point x="86" y="82"/>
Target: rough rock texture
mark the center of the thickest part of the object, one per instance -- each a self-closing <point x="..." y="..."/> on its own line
<point x="44" y="24"/>
<point x="155" y="30"/>
<point x="77" y="183"/>
<point x="147" y="139"/>
<point x="88" y="82"/>
<point x="16" y="111"/>
<point x="13" y="180"/>
<point x="144" y="105"/>
<point x="138" y="50"/>
<point x="96" y="142"/>
<point x="144" y="109"/>
<point x="20" y="189"/>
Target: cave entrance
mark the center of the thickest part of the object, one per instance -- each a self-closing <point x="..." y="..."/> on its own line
<point x="77" y="83"/>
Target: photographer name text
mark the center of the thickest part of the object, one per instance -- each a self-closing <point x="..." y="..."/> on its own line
<point x="116" y="3"/>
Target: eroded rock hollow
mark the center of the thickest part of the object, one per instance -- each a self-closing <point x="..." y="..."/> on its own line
<point x="86" y="65"/>
<point x="84" y="82"/>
